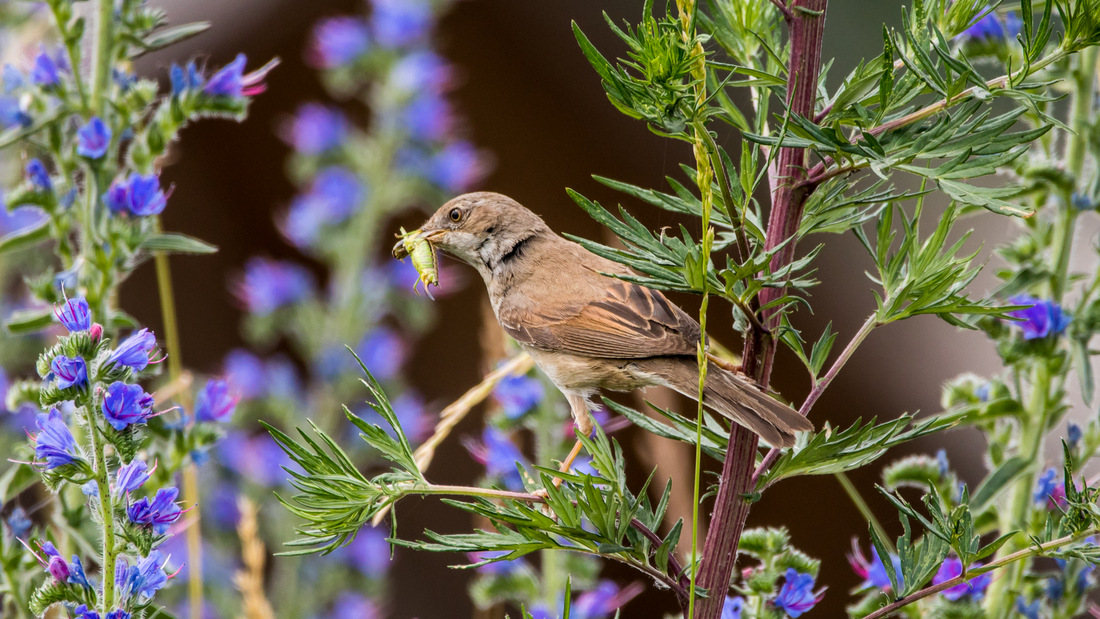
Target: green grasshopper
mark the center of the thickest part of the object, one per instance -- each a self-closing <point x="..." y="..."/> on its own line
<point x="423" y="259"/>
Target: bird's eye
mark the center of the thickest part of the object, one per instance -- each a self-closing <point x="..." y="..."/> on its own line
<point x="456" y="214"/>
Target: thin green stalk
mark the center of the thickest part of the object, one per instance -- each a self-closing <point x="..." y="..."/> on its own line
<point x="101" y="61"/>
<point x="106" y="507"/>
<point x="546" y="444"/>
<point x="864" y="509"/>
<point x="191" y="493"/>
<point x="14" y="590"/>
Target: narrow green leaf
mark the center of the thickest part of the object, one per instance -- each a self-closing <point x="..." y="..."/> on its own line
<point x="25" y="237"/>
<point x="176" y="244"/>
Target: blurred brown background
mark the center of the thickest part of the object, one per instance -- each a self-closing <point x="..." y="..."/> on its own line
<point x="530" y="98"/>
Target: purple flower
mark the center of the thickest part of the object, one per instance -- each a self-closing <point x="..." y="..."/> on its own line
<point x="130" y="477"/>
<point x="975" y="587"/>
<point x="1073" y="435"/>
<point x="83" y="612"/>
<point x="873" y="572"/>
<point x="38" y="175"/>
<point x="46" y="71"/>
<point x="59" y="569"/>
<point x="12" y="113"/>
<point x="733" y="607"/>
<point x="185" y="78"/>
<point x="77" y="575"/>
<point x="1042" y="318"/>
<point x="990" y="28"/>
<point x="350" y="604"/>
<point x="256" y="458"/>
<point x="602" y="601"/>
<point x="428" y="117"/>
<point x="159" y="513"/>
<point x="400" y="22"/>
<point x="421" y="71"/>
<point x="499" y="455"/>
<point x="215" y="403"/>
<point x="138" y="195"/>
<point x="456" y="167"/>
<point x="369" y="553"/>
<point x="338" y="41"/>
<point x="316" y="129"/>
<point x="383" y="352"/>
<point x="134" y="351"/>
<point x="333" y="196"/>
<point x="282" y="379"/>
<point x="19" y="523"/>
<point x="143" y="579"/>
<point x="231" y="81"/>
<point x="118" y="613"/>
<point x="1030" y="611"/>
<point x="19" y="218"/>
<point x="54" y="442"/>
<point x="796" y="596"/>
<point x="268" y="285"/>
<point x="69" y="372"/>
<point x="244" y="372"/>
<point x="93" y="138"/>
<point x="126" y="404"/>
<point x="1049" y="487"/>
<point x="517" y="395"/>
<point x="74" y="314"/>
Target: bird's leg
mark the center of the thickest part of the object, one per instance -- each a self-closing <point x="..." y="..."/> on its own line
<point x="583" y="426"/>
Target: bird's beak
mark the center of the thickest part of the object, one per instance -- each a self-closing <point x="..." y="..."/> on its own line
<point x="399" y="250"/>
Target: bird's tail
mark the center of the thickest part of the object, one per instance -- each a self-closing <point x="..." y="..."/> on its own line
<point x="734" y="396"/>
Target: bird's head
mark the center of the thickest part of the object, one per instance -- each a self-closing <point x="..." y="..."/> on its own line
<point x="481" y="228"/>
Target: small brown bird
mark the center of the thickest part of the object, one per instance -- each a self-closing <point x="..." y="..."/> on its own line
<point x="588" y="331"/>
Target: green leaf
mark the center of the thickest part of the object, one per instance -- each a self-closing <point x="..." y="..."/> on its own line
<point x="29" y="321"/>
<point x="991" y="198"/>
<point x="168" y="36"/>
<point x="25" y="237"/>
<point x="997" y="481"/>
<point x="176" y="244"/>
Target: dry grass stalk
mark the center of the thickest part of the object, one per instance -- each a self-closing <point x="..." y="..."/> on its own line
<point x="250" y="580"/>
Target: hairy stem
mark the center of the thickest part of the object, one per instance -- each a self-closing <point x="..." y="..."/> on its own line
<point x="806" y="24"/>
<point x="104" y="46"/>
<point x="1019" y="555"/>
<point x="106" y="507"/>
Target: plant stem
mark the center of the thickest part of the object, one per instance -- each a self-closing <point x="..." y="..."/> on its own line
<point x="864" y="509"/>
<point x="101" y="62"/>
<point x="191" y="492"/>
<point x="1026" y="553"/>
<point x="14" y="590"/>
<point x="806" y="24"/>
<point x="546" y="448"/>
<point x="821" y="385"/>
<point x="106" y="507"/>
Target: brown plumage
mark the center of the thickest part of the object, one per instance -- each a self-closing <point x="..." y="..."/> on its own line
<point x="585" y="330"/>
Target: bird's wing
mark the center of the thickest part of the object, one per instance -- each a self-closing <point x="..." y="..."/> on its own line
<point x="627" y="321"/>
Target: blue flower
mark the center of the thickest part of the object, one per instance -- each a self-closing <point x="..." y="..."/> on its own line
<point x="732" y="608"/>
<point x="400" y="22"/>
<point x="1084" y="578"/>
<point x="130" y="477"/>
<point x="184" y="78"/>
<point x="268" y="285"/>
<point x="38" y="175"/>
<point x="873" y="572"/>
<point x="1073" y="435"/>
<point x="369" y="552"/>
<point x="975" y="587"/>
<point x="142" y="580"/>
<point x="78" y="577"/>
<point x="991" y="29"/>
<point x="258" y="458"/>
<point x="159" y="513"/>
<point x="1030" y="611"/>
<point x="1041" y="319"/>
<point x="12" y="113"/>
<point x="19" y="218"/>
<point x="428" y="117"/>
<point x="518" y="394"/>
<point x="350" y="604"/>
<point x="118" y="613"/>
<point x="499" y="455"/>
<point x="383" y="352"/>
<point x="74" y="314"/>
<point x="1048" y="486"/>
<point x="54" y="442"/>
<point x="420" y="71"/>
<point x="137" y="194"/>
<point x="215" y="403"/>
<point x="231" y="81"/>
<point x="456" y="167"/>
<point x="59" y="569"/>
<point x="126" y="404"/>
<point x="83" y="612"/>
<point x="93" y="139"/>
<point x="69" y="371"/>
<point x="19" y="523"/>
<point x="601" y="601"/>
<point x="244" y="372"/>
<point x="134" y="351"/>
<point x="46" y="71"/>
<point x="338" y="41"/>
<point x="1082" y="202"/>
<point x="333" y="196"/>
<point x="796" y="596"/>
<point x="316" y="129"/>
